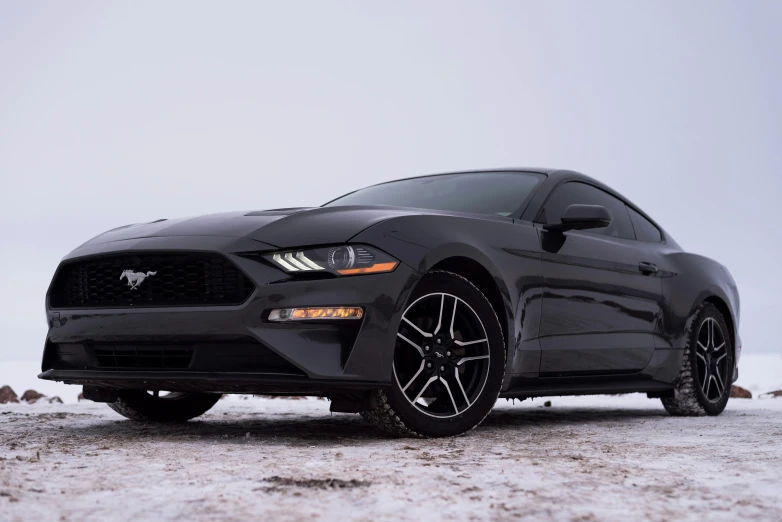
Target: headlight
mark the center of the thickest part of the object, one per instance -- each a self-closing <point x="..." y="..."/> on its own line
<point x="342" y="260"/>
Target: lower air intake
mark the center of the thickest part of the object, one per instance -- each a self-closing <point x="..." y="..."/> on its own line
<point x="143" y="358"/>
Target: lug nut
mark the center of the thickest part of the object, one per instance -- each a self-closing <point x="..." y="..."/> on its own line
<point x="428" y="365"/>
<point x="442" y="368"/>
<point x="439" y="341"/>
<point x="427" y="348"/>
<point x="448" y="353"/>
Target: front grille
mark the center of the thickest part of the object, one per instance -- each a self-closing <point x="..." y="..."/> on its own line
<point x="152" y="279"/>
<point x="163" y="358"/>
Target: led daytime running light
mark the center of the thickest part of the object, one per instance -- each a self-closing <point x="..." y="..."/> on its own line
<point x="340" y="260"/>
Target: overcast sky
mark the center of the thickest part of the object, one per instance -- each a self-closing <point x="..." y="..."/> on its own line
<point x="116" y="112"/>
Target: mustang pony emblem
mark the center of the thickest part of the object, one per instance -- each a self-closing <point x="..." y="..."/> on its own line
<point x="135" y="278"/>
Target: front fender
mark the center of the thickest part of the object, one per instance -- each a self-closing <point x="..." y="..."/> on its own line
<point x="508" y="251"/>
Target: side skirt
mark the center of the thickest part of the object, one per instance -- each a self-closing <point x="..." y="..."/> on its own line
<point x="652" y="388"/>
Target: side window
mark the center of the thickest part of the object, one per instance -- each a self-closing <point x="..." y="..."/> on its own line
<point x="644" y="229"/>
<point x="575" y="192"/>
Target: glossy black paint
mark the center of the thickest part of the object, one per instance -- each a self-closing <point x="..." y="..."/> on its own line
<point x="599" y="310"/>
<point x="581" y="312"/>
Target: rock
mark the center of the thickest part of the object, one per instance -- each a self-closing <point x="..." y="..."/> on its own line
<point x="777" y="393"/>
<point x="55" y="400"/>
<point x="7" y="395"/>
<point x="737" y="392"/>
<point x="80" y="397"/>
<point x="547" y="404"/>
<point x="32" y="396"/>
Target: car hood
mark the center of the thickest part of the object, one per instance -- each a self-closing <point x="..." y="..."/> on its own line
<point x="282" y="228"/>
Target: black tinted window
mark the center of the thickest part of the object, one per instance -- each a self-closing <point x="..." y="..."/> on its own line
<point x="497" y="193"/>
<point x="574" y="193"/>
<point x="644" y="229"/>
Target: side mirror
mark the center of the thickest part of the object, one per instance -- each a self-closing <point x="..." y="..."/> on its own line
<point x="582" y="217"/>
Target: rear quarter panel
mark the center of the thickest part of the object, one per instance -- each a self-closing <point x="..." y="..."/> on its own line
<point x="689" y="280"/>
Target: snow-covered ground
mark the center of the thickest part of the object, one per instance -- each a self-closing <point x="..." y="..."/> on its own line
<point x="583" y="458"/>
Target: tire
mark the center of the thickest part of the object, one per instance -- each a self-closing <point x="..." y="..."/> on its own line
<point x="449" y="324"/>
<point x="698" y="391"/>
<point x="140" y="405"/>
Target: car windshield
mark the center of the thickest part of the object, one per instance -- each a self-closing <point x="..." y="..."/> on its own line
<point x="494" y="193"/>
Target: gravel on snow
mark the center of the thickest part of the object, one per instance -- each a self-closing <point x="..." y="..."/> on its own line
<point x="584" y="458"/>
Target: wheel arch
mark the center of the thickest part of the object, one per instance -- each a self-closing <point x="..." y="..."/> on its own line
<point x="714" y="298"/>
<point x="695" y="280"/>
<point x="478" y="275"/>
<point x="724" y="309"/>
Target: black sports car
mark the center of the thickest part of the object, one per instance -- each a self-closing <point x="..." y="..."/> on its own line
<point x="416" y="303"/>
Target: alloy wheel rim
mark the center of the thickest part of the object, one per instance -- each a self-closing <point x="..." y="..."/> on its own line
<point x="442" y="358"/>
<point x="712" y="360"/>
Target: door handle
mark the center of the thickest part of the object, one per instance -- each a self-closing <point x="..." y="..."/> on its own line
<point x="647" y="268"/>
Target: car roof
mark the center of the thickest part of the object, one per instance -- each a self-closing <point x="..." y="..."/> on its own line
<point x="553" y="175"/>
<point x="549" y="172"/>
<point x="538" y="170"/>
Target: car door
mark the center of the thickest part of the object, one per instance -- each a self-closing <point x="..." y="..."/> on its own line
<point x="600" y="301"/>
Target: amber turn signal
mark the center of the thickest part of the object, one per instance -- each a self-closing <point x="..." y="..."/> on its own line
<point x="308" y="314"/>
<point x="377" y="267"/>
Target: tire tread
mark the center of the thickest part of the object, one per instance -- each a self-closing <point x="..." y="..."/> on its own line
<point x="685" y="401"/>
<point x="133" y="406"/>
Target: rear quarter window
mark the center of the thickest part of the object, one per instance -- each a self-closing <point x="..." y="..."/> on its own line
<point x="644" y="229"/>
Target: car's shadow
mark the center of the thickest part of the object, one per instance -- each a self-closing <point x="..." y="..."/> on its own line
<point x="542" y="417"/>
<point x="337" y="429"/>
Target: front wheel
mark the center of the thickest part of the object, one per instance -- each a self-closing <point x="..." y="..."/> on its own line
<point x="449" y="361"/>
<point x="161" y="406"/>
<point x="704" y="382"/>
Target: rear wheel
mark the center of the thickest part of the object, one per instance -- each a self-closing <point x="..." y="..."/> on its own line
<point x="704" y="382"/>
<point x="449" y="361"/>
<point x="163" y="406"/>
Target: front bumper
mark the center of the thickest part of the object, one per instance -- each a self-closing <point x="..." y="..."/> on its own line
<point x="233" y="348"/>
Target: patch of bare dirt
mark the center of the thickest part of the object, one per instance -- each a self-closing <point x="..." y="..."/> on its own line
<point x="737" y="392"/>
<point x="280" y="483"/>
